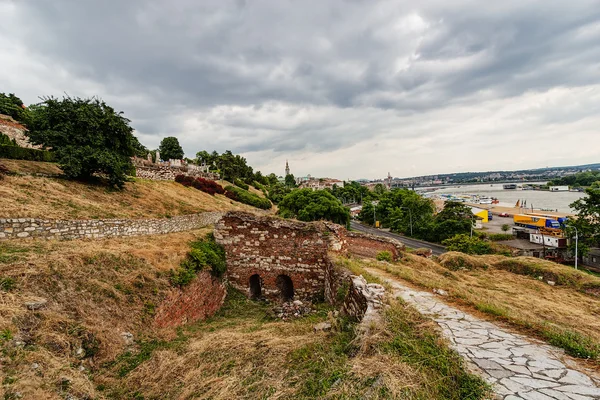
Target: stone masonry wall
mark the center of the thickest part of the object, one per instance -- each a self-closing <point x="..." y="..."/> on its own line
<point x="363" y="300"/>
<point x="361" y="244"/>
<point x="271" y="247"/>
<point x="168" y="173"/>
<point x="17" y="228"/>
<point x="201" y="299"/>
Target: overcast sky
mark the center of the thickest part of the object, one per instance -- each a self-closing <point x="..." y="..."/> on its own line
<point x="347" y="89"/>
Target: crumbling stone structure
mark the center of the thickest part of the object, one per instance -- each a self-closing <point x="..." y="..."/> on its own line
<point x="168" y="170"/>
<point x="274" y="258"/>
<point x="283" y="259"/>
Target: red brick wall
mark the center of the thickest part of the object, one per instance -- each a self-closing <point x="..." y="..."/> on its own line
<point x="199" y="300"/>
<point x="269" y="247"/>
<point x="361" y="244"/>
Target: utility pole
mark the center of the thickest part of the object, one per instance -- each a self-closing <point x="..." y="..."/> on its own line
<point x="576" y="242"/>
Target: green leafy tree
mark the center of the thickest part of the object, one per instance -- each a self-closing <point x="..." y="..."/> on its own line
<point x="466" y="244"/>
<point x="587" y="222"/>
<point x="139" y="149"/>
<point x="170" y="149"/>
<point x="456" y="218"/>
<point x="12" y="106"/>
<point x="87" y="136"/>
<point x="309" y="205"/>
<point x="290" y="181"/>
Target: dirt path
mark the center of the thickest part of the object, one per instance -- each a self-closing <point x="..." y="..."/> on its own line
<point x="517" y="367"/>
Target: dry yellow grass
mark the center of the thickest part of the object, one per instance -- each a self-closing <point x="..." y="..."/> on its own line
<point x="525" y="302"/>
<point x="31" y="167"/>
<point x="55" y="198"/>
<point x="95" y="291"/>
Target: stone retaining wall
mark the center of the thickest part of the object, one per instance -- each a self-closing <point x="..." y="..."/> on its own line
<point x="18" y="228"/>
<point x="168" y="173"/>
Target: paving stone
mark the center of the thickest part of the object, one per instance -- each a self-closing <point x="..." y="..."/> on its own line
<point x="535" y="395"/>
<point x="518" y="367"/>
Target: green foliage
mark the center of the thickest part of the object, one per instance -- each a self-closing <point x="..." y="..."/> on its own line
<point x="170" y="149"/>
<point x="277" y="192"/>
<point x="87" y="136"/>
<point x="468" y="245"/>
<point x="6" y="141"/>
<point x="239" y="183"/>
<point x="314" y="205"/>
<point x="321" y="364"/>
<point x="384" y="256"/>
<point x="580" y="179"/>
<point x="244" y="196"/>
<point x="587" y="222"/>
<point x="353" y="192"/>
<point x="505" y="227"/>
<point x="574" y="343"/>
<point x="128" y="361"/>
<point x="21" y="153"/>
<point x="290" y="181"/>
<point x="497" y="237"/>
<point x="491" y="309"/>
<point x="12" y="106"/>
<point x="7" y="284"/>
<point x="205" y="254"/>
<point x="415" y="343"/>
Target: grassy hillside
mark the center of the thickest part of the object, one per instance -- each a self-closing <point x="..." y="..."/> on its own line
<point x="510" y="290"/>
<point x="97" y="290"/>
<point x="53" y="197"/>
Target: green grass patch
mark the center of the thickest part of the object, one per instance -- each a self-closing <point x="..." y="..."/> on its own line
<point x="384" y="256"/>
<point x="574" y="343"/>
<point x="492" y="309"/>
<point x="318" y="366"/>
<point x="419" y="345"/>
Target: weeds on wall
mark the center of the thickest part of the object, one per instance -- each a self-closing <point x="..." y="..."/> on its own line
<point x="205" y="255"/>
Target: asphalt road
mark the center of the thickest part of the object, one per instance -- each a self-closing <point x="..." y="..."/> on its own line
<point x="408" y="242"/>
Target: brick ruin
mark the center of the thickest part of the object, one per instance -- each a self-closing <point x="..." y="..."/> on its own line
<point x="274" y="258"/>
<point x="282" y="259"/>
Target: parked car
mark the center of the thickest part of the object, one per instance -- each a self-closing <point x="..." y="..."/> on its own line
<point x="505" y="215"/>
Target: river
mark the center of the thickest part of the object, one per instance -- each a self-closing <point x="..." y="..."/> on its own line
<point x="537" y="198"/>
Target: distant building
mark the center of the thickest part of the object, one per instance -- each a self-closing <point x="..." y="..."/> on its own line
<point x="287" y="168"/>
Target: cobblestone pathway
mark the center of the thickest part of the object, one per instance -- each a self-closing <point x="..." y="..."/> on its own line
<point x="516" y="366"/>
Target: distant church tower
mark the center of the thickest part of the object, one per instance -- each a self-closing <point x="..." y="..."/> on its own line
<point x="287" y="168"/>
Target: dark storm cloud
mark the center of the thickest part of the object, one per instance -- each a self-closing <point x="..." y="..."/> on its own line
<point x="186" y="57"/>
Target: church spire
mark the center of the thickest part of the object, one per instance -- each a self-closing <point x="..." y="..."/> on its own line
<point x="287" y="168"/>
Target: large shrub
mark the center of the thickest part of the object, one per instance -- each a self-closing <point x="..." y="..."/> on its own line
<point x="205" y="185"/>
<point x="244" y="196"/>
<point x="240" y="183"/>
<point x="88" y="137"/>
<point x="21" y="153"/>
<point x="469" y="245"/>
<point x="205" y="254"/>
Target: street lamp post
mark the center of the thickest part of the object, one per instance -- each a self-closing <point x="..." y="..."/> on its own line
<point x="576" y="242"/>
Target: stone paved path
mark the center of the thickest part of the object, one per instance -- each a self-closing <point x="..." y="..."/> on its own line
<point x="516" y="366"/>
